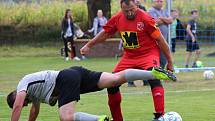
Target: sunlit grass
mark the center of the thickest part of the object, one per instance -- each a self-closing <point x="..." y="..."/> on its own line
<point x="192" y="96"/>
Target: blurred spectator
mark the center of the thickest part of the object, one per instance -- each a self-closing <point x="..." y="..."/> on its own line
<point x="177" y="29"/>
<point x="191" y="39"/>
<point x="180" y="30"/>
<point x="67" y="35"/>
<point x="98" y="23"/>
<point x="162" y="19"/>
<point x="139" y="5"/>
<point x="174" y="15"/>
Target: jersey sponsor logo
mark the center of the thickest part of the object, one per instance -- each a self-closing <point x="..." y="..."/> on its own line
<point x="130" y="40"/>
<point x="140" y="26"/>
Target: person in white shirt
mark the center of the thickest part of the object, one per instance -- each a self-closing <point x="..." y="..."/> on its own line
<point x="98" y="23"/>
<point x="67" y="35"/>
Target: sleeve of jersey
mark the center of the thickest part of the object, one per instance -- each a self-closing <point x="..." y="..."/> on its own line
<point x="110" y="26"/>
<point x="153" y="31"/>
<point x="21" y="87"/>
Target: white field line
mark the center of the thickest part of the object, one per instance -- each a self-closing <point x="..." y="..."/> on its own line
<point x="177" y="91"/>
<point x="144" y="92"/>
<point x="138" y="92"/>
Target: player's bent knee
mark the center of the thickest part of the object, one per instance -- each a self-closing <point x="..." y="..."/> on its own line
<point x="116" y="80"/>
<point x="67" y="117"/>
<point x="67" y="112"/>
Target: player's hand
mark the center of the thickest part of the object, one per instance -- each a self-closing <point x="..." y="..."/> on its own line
<point x="193" y="39"/>
<point x="85" y="50"/>
<point x="170" y="67"/>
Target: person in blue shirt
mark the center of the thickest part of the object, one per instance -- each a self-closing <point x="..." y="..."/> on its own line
<point x="98" y="23"/>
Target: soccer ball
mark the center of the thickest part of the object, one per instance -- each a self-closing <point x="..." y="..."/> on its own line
<point x="199" y="64"/>
<point x="208" y="74"/>
<point x="170" y="116"/>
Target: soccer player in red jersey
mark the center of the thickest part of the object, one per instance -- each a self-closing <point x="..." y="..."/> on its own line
<point x="142" y="42"/>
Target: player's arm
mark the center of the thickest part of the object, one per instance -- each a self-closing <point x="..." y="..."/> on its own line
<point x="165" y="49"/>
<point x="100" y="37"/>
<point x="35" y="108"/>
<point x="156" y="34"/>
<point x="190" y="33"/>
<point x="109" y="29"/>
<point x="18" y="105"/>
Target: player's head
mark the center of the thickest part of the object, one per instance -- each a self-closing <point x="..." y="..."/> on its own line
<point x="128" y="8"/>
<point x="194" y="13"/>
<point x="12" y="97"/>
<point x="158" y="3"/>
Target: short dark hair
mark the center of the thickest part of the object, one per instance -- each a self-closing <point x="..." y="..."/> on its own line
<point x="127" y="2"/>
<point x="11" y="98"/>
<point x="174" y="10"/>
<point x="193" y="11"/>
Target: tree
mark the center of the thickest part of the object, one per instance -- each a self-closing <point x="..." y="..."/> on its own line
<point x="94" y="5"/>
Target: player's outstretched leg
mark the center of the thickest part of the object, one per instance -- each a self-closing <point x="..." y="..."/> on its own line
<point x="156" y="73"/>
<point x="108" y="80"/>
<point x="163" y="74"/>
<point x="81" y="116"/>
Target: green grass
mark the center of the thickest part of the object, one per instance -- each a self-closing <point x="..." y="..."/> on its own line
<point x="185" y="96"/>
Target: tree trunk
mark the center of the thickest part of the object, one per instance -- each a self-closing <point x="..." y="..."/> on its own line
<point x="94" y="5"/>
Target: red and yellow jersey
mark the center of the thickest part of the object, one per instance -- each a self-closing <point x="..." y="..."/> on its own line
<point x="138" y="35"/>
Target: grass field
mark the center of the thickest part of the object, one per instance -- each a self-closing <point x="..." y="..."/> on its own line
<point x="192" y="96"/>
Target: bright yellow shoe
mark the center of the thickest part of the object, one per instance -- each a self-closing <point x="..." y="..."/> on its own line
<point x="162" y="74"/>
<point x="104" y="118"/>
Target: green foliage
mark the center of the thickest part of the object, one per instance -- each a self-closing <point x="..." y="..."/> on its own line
<point x="38" y="21"/>
<point x="46" y="14"/>
<point x="42" y="21"/>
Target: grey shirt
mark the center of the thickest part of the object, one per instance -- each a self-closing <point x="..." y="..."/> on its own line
<point x="193" y="29"/>
<point x="156" y="13"/>
<point x="39" y="86"/>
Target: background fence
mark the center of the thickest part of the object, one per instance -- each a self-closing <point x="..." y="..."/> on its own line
<point x="205" y="28"/>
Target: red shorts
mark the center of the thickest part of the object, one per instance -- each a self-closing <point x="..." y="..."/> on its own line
<point x="146" y="61"/>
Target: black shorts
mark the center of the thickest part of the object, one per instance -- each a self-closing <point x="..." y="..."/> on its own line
<point x="74" y="81"/>
<point x="192" y="46"/>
